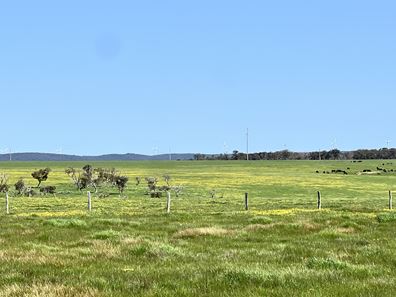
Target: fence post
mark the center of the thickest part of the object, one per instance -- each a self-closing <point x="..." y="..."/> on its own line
<point x="246" y="201"/>
<point x="168" y="202"/>
<point x="390" y="199"/>
<point x="89" y="201"/>
<point x="319" y="200"/>
<point x="7" y="204"/>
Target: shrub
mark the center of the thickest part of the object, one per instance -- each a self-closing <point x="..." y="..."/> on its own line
<point x="41" y="175"/>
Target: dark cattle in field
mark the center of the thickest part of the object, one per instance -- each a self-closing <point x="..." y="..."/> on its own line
<point x="348" y="168"/>
<point x="366" y="170"/>
<point x="317" y="171"/>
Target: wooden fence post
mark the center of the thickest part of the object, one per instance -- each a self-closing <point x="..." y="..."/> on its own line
<point x="319" y="200"/>
<point x="89" y="201"/>
<point x="168" y="202"/>
<point x="390" y="199"/>
<point x="7" y="204"/>
<point x="246" y="201"/>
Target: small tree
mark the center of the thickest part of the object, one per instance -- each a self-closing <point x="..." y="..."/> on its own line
<point x="88" y="169"/>
<point x="151" y="183"/>
<point x="41" y="175"/>
<point x="90" y="177"/>
<point x="81" y="181"/>
<point x="167" y="179"/>
<point x="178" y="190"/>
<point x="3" y="183"/>
<point x="20" y="187"/>
<point x="121" y="182"/>
<point x="138" y="180"/>
<point x="72" y="173"/>
<point x="212" y="193"/>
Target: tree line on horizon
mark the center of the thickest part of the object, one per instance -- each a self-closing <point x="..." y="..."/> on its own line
<point x="334" y="154"/>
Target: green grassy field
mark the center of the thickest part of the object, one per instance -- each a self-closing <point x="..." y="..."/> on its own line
<point x="283" y="245"/>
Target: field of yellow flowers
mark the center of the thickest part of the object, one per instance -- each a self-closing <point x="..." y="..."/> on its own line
<point x="208" y="245"/>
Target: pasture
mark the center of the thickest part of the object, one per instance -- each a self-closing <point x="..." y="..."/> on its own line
<point x="129" y="246"/>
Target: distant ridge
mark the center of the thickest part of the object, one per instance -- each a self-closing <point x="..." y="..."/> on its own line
<point x="109" y="157"/>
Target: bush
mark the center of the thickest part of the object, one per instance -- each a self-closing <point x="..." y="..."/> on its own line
<point x="3" y="183"/>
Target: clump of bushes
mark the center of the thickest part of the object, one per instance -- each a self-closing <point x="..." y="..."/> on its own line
<point x="156" y="191"/>
<point x="48" y="190"/>
<point x="90" y="177"/>
<point x="22" y="190"/>
<point x="40" y="175"/>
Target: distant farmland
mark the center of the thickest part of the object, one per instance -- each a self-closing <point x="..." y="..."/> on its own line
<point x="208" y="245"/>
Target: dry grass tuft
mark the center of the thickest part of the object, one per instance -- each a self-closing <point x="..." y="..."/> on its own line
<point x="345" y="230"/>
<point x="205" y="231"/>
<point x="257" y="227"/>
<point x="131" y="241"/>
<point x="47" y="290"/>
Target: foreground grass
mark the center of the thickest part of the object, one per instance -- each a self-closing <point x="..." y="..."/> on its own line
<point x="129" y="247"/>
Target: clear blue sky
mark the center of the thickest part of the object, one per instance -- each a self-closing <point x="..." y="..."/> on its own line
<point x="94" y="77"/>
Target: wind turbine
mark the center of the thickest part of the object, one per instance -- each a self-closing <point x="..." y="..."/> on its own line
<point x="155" y="150"/>
<point x="59" y="151"/>
<point x="225" y="150"/>
<point x="334" y="144"/>
<point x="9" y="152"/>
<point x="247" y="144"/>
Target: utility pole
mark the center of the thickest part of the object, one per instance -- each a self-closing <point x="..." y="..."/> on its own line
<point x="247" y="144"/>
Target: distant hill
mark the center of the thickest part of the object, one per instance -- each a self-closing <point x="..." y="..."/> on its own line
<point x="109" y="157"/>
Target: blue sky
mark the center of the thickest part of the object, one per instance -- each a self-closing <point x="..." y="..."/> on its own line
<point x="94" y="77"/>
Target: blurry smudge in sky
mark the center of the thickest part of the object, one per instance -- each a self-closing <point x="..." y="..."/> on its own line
<point x="107" y="46"/>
